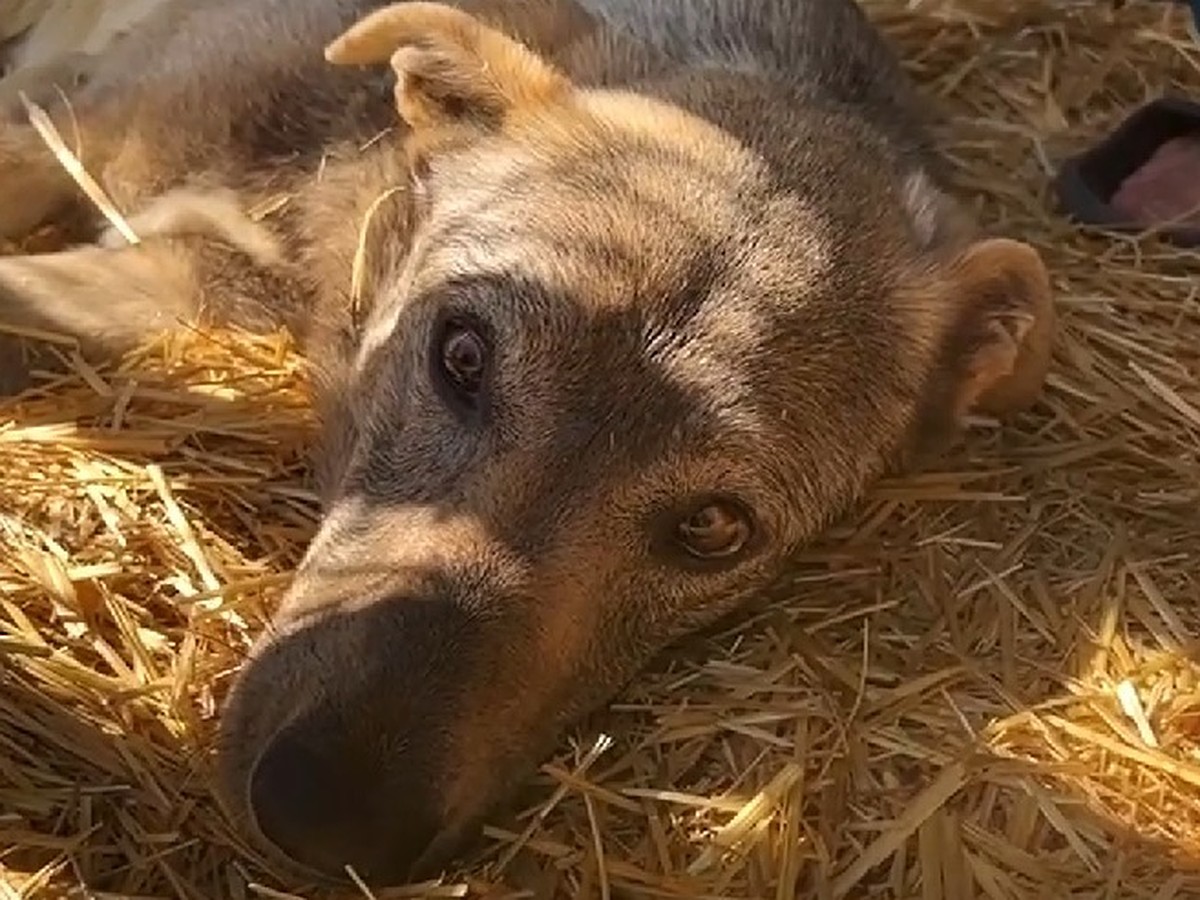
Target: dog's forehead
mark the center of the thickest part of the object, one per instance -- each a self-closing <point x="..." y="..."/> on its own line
<point x="628" y="220"/>
<point x="702" y="263"/>
<point x="670" y="274"/>
<point x="697" y="286"/>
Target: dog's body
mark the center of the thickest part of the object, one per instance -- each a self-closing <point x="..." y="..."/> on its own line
<point x="604" y="328"/>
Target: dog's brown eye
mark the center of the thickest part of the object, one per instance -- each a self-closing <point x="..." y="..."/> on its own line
<point x="462" y="358"/>
<point x="717" y="530"/>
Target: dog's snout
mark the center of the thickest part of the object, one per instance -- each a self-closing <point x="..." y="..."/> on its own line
<point x="321" y="803"/>
<point x="375" y="733"/>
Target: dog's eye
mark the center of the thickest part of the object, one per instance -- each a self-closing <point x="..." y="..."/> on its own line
<point x="461" y="359"/>
<point x="717" y="530"/>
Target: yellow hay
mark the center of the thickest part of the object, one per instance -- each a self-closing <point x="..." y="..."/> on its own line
<point x="983" y="684"/>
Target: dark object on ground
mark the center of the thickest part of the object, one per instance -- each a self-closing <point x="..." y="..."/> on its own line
<point x="1145" y="175"/>
<point x="1192" y="5"/>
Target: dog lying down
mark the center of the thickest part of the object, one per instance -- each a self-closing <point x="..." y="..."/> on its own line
<point x="652" y="290"/>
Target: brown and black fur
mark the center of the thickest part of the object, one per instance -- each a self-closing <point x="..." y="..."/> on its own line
<point x="708" y="251"/>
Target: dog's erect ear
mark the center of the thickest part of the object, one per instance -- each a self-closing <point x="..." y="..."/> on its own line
<point x="1005" y="325"/>
<point x="451" y="68"/>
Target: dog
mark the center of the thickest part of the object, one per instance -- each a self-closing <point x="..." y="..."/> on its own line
<point x="611" y="306"/>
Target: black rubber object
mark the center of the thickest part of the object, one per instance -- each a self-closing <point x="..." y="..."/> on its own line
<point x="1086" y="183"/>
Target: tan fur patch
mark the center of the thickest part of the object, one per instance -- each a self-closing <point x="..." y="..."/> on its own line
<point x="214" y="213"/>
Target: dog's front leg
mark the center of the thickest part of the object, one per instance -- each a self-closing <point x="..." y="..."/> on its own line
<point x="108" y="300"/>
<point x="200" y="261"/>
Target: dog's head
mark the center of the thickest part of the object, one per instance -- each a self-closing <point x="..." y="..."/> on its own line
<point x="624" y="370"/>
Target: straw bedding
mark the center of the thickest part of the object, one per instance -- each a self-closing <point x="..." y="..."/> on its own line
<point x="984" y="683"/>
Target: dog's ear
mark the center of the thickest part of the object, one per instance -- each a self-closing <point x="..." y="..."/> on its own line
<point x="1003" y="328"/>
<point x="452" y="70"/>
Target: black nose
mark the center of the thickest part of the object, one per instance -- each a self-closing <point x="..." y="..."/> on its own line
<point x="327" y="802"/>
